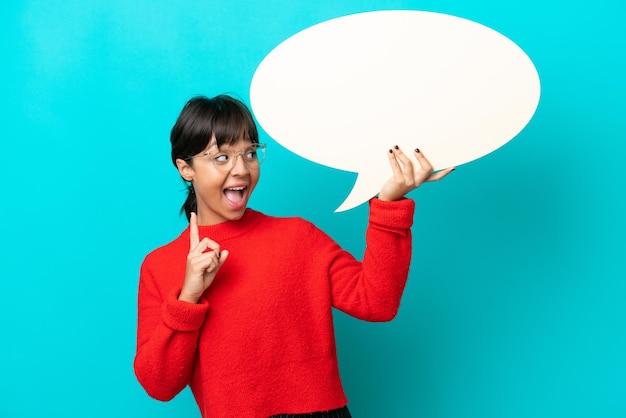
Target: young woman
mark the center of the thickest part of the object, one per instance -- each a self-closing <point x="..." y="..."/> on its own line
<point x="239" y="306"/>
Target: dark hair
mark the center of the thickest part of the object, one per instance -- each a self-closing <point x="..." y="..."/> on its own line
<point x="223" y="116"/>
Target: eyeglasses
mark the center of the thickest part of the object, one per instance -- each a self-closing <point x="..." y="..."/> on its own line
<point x="253" y="155"/>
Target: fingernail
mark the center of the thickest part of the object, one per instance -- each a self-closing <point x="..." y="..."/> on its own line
<point x="390" y="152"/>
<point x="396" y="147"/>
<point x="417" y="150"/>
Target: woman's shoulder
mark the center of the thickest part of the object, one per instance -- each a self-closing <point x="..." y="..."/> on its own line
<point x="168" y="251"/>
<point x="289" y="232"/>
<point x="288" y="228"/>
<point x="283" y="222"/>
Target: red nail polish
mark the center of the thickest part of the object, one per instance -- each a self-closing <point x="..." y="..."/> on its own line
<point x="390" y="152"/>
<point x="396" y="147"/>
<point x="417" y="150"/>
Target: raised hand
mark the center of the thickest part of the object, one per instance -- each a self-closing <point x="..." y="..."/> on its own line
<point x="406" y="177"/>
<point x="202" y="265"/>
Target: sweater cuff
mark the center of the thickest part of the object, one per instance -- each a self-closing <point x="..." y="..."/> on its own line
<point x="398" y="214"/>
<point x="183" y="316"/>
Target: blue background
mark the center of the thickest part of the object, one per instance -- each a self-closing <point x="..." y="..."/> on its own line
<point x="514" y="305"/>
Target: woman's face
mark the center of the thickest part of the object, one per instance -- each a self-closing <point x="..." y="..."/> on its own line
<point x="222" y="190"/>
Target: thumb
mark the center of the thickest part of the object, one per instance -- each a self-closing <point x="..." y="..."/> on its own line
<point x="223" y="256"/>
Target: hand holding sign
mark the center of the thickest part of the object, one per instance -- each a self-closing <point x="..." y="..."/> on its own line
<point x="407" y="175"/>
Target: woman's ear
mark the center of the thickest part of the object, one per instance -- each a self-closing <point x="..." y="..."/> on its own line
<point x="185" y="170"/>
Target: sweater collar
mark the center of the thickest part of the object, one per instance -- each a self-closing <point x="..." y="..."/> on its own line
<point x="228" y="229"/>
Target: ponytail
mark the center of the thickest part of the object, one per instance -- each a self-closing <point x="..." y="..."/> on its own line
<point x="191" y="203"/>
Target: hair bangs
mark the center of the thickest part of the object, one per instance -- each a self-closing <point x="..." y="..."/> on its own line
<point x="229" y="128"/>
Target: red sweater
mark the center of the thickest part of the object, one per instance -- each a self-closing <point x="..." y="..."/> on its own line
<point x="261" y="341"/>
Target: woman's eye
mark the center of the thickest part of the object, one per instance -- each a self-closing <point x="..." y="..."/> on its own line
<point x="221" y="158"/>
<point x="251" y="154"/>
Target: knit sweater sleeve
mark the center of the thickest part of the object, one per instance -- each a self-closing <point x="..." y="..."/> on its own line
<point x="371" y="290"/>
<point x="167" y="337"/>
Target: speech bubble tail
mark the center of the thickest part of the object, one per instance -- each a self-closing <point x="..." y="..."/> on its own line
<point x="364" y="189"/>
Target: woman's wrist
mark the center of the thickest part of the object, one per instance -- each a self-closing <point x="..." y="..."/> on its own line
<point x="187" y="298"/>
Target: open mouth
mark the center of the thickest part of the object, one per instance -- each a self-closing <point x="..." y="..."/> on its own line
<point x="235" y="194"/>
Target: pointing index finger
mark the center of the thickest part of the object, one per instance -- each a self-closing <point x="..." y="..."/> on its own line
<point x="194" y="235"/>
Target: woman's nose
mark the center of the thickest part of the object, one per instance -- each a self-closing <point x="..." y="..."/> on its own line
<point x="239" y="165"/>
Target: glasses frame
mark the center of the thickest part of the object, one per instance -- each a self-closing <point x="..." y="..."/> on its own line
<point x="230" y="163"/>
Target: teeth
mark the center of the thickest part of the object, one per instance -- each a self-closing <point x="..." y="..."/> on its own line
<point x="235" y="188"/>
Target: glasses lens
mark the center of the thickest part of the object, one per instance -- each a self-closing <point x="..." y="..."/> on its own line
<point x="252" y="156"/>
<point x="260" y="153"/>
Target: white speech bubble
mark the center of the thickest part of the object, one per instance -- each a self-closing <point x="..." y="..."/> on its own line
<point x="342" y="92"/>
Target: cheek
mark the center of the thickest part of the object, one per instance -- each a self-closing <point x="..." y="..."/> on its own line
<point x="209" y="184"/>
<point x="254" y="178"/>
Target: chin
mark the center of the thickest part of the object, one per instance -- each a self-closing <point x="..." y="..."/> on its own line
<point x="237" y="215"/>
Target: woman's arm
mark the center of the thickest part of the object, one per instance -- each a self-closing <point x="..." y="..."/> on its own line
<point x="167" y="339"/>
<point x="169" y="325"/>
<point x="372" y="290"/>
